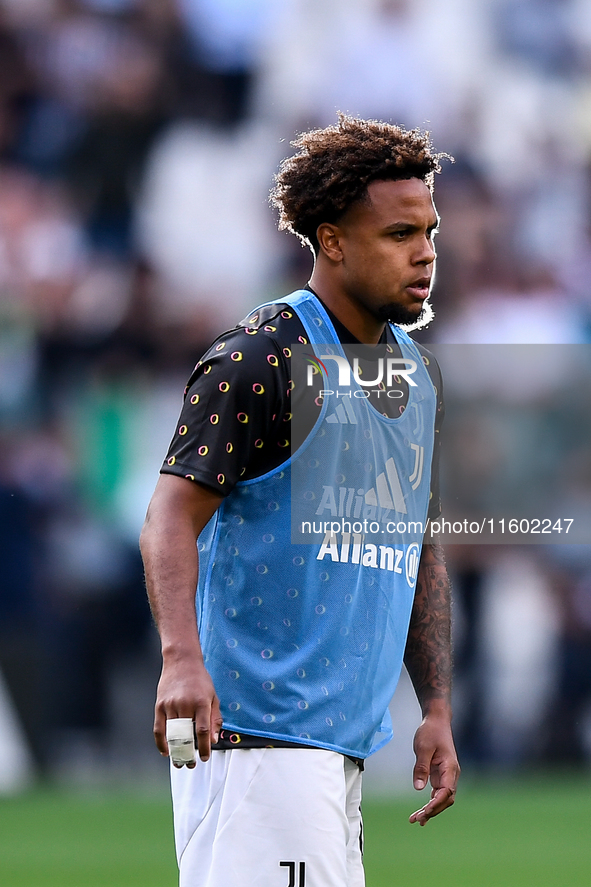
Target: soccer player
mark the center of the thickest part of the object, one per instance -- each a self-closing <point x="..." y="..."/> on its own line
<point x="288" y="654"/>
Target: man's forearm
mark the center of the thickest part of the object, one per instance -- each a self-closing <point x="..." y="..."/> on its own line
<point x="428" y="648"/>
<point x="171" y="566"/>
<point x="178" y="512"/>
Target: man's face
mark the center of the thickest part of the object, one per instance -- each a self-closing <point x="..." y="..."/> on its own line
<point x="387" y="249"/>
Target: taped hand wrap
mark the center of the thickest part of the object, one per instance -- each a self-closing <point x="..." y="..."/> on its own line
<point x="180" y="737"/>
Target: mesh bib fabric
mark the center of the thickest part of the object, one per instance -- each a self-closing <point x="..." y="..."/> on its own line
<point x="304" y="642"/>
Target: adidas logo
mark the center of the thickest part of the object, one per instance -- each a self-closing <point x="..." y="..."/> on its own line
<point x="344" y="413"/>
<point x="387" y="492"/>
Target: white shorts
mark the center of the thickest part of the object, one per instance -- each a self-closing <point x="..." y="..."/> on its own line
<point x="269" y="817"/>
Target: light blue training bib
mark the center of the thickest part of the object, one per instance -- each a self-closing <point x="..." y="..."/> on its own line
<point x="304" y="641"/>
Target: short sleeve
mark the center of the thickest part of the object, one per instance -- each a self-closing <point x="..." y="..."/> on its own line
<point x="233" y="412"/>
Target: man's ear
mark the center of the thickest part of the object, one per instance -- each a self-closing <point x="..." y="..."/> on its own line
<point x="329" y="241"/>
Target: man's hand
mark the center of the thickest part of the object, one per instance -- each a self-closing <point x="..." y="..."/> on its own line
<point x="436" y="761"/>
<point x="186" y="690"/>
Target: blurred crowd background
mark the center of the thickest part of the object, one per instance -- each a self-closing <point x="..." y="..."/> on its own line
<point x="138" y="140"/>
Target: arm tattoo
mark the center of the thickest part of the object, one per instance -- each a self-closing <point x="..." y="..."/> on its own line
<point x="428" y="648"/>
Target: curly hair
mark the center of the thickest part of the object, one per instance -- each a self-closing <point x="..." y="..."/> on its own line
<point x="334" y="167"/>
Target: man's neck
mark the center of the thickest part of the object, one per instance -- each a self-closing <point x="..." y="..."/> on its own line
<point x="344" y="334"/>
<point x="360" y="323"/>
